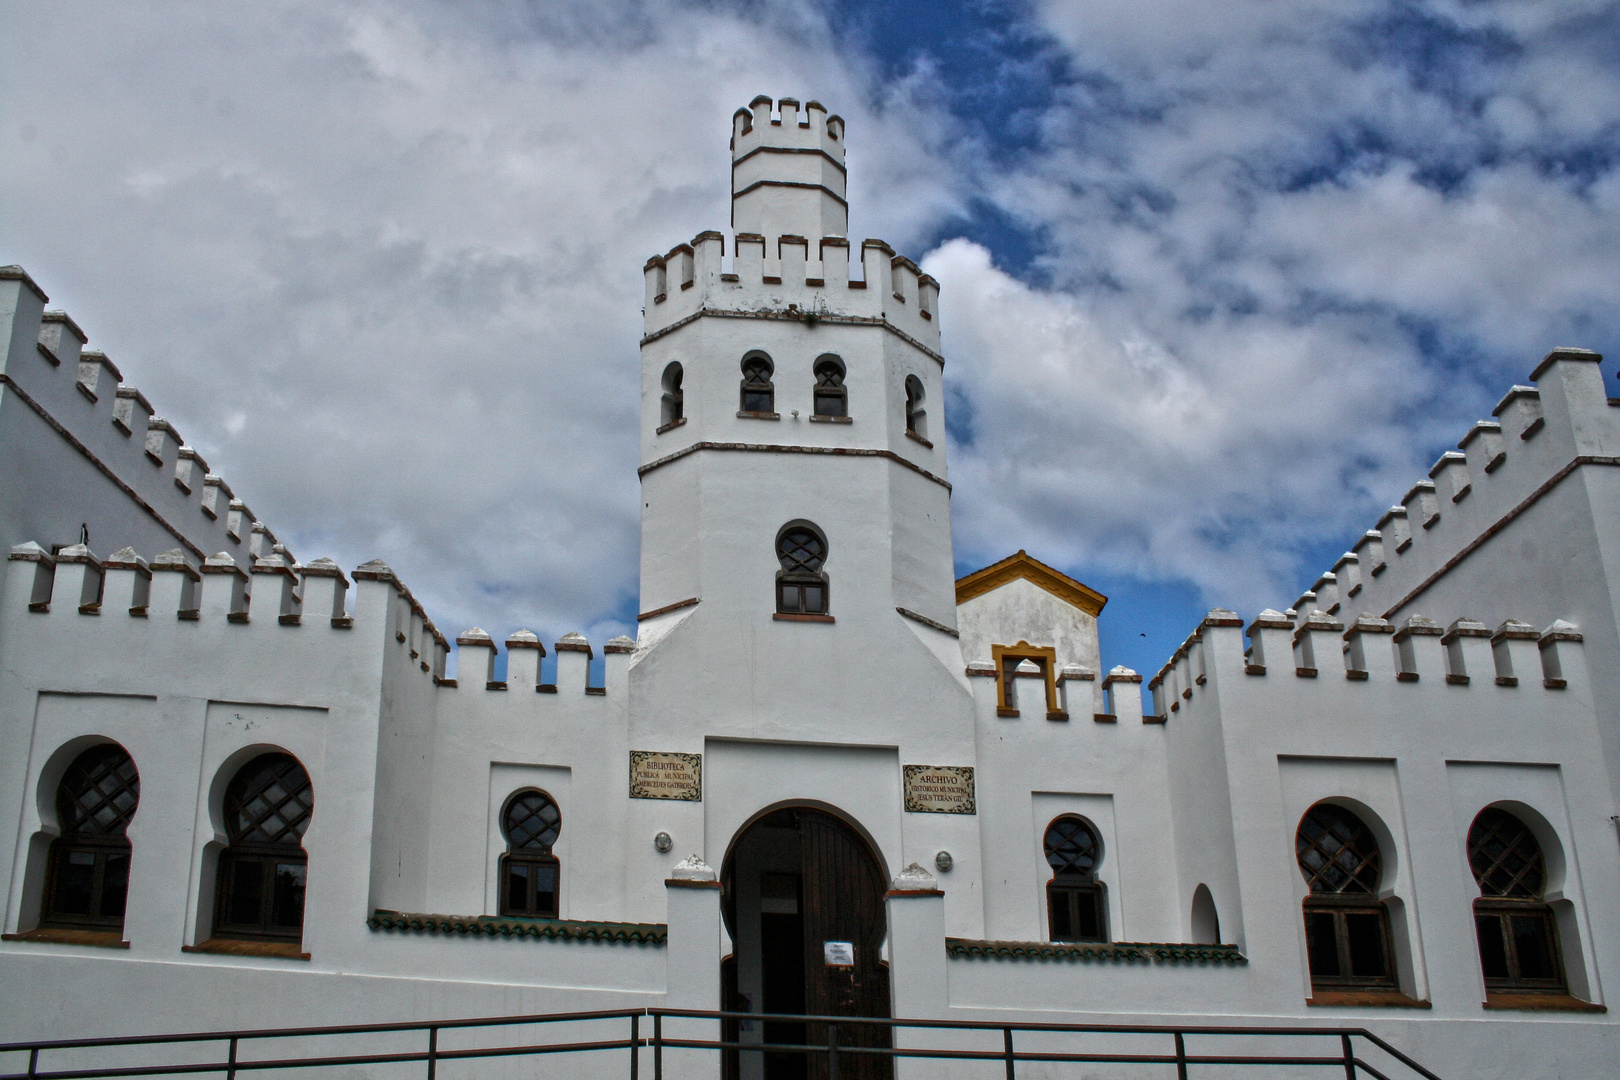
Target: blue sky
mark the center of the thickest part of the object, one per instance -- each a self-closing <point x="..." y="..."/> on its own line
<point x="1219" y="281"/>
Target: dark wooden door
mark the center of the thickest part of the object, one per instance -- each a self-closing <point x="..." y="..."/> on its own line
<point x="843" y="902"/>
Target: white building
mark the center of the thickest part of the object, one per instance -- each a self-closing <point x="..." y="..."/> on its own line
<point x="825" y="777"/>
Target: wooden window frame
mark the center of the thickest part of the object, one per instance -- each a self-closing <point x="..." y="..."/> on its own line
<point x="248" y="853"/>
<point x="802" y="578"/>
<point x="1073" y="887"/>
<point x="1512" y="883"/>
<point x="531" y="908"/>
<point x="833" y="391"/>
<point x="1044" y="656"/>
<point x="534" y="852"/>
<point x="1339" y="909"/>
<point x="1355" y="893"/>
<point x="102" y="843"/>
<point x="747" y="386"/>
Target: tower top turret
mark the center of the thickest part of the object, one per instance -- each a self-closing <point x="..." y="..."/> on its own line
<point x="787" y="171"/>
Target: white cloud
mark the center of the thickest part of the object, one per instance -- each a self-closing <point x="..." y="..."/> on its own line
<point x="1295" y="248"/>
<point x="382" y="261"/>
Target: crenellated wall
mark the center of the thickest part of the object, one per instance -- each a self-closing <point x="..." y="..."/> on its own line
<point x="1518" y="523"/>
<point x="792" y="277"/>
<point x="89" y="450"/>
<point x="1416" y="727"/>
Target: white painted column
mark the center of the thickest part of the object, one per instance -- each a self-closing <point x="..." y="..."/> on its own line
<point x="692" y="956"/>
<point x="918" y="987"/>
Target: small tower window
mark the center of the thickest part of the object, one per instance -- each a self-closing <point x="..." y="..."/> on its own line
<point x="1518" y="937"/>
<point x="832" y="399"/>
<point x="758" y="392"/>
<point x="529" y="871"/>
<point x="916" y="415"/>
<point x="1076" y="903"/>
<point x="674" y="402"/>
<point x="88" y="876"/>
<point x="801" y="584"/>
<point x="262" y="875"/>
<point x="1346" y="925"/>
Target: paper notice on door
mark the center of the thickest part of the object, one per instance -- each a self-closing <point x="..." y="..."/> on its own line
<point x="838" y="953"/>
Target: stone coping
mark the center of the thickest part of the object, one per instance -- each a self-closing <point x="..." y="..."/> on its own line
<point x="511" y="927"/>
<point x="1121" y="952"/>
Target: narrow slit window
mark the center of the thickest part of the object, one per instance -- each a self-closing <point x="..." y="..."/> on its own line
<point x="916" y="415"/>
<point x="674" y="401"/>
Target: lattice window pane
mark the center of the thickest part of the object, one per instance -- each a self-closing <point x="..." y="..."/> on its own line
<point x="1505" y="856"/>
<point x="99" y="793"/>
<point x="532" y="822"/>
<point x="269" y="802"/>
<point x="1337" y="853"/>
<point x="801" y="551"/>
<point x="1071" y="848"/>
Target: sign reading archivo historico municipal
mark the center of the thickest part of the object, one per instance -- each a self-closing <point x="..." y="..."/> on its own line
<point x="939" y="789"/>
<point x="666" y="776"/>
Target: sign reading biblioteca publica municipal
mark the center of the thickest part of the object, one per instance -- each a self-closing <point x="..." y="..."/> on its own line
<point x="666" y="776"/>
<point x="939" y="789"/>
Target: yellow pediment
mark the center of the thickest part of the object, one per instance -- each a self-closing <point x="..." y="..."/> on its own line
<point x="1035" y="572"/>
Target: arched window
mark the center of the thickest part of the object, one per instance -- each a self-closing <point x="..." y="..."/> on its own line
<point x="1518" y="937"/>
<point x="916" y="415"/>
<point x="758" y="392"/>
<point x="1346" y="925"/>
<point x="529" y="871"/>
<point x="801" y="584"/>
<point x="87" y="879"/>
<point x="261" y="880"/>
<point x="832" y="399"/>
<point x="1076" y="906"/>
<point x="674" y="403"/>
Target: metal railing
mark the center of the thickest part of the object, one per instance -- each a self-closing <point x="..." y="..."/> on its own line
<point x="834" y="1050"/>
<point x="230" y="1043"/>
<point x="1009" y="1055"/>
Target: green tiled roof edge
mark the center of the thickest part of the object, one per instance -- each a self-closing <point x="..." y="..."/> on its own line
<point x="1115" y="953"/>
<point x="490" y="926"/>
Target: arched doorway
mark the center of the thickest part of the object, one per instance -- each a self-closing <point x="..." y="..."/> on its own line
<point x="803" y="902"/>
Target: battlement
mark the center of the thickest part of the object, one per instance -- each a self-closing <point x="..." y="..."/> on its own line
<point x="94" y="426"/>
<point x="795" y="278"/>
<point x="790" y="255"/>
<point x="787" y="173"/>
<point x="784" y="124"/>
<point x="1502" y="473"/>
<point x="1370" y="650"/>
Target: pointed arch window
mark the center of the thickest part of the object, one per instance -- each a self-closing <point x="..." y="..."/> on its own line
<point x="1346" y="926"/>
<point x="832" y="397"/>
<point x="87" y="876"/>
<point x="673" y="404"/>
<point x="263" y="873"/>
<point x="758" y="393"/>
<point x="1518" y="936"/>
<point x="801" y="583"/>
<point x="531" y="823"/>
<point x="1076" y="902"/>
